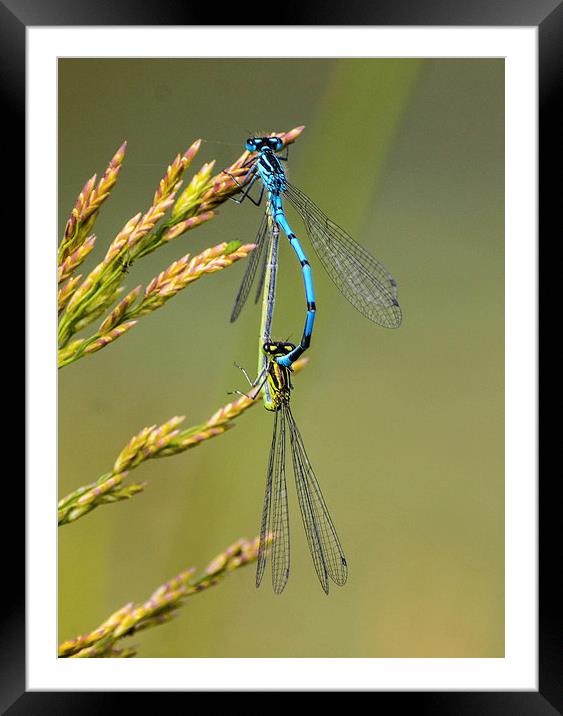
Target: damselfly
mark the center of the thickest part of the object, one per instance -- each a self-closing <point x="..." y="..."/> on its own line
<point x="324" y="545"/>
<point x="362" y="279"/>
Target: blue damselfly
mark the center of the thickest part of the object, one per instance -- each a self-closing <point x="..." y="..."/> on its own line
<point x="362" y="279"/>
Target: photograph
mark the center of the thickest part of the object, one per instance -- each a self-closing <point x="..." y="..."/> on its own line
<point x="320" y="240"/>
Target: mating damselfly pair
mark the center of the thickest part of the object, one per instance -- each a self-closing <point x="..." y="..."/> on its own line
<point x="367" y="285"/>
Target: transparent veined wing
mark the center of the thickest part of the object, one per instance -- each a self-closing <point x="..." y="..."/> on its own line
<point x="280" y="522"/>
<point x="324" y="545"/>
<point x="362" y="279"/>
<point x="275" y="515"/>
<point x="263" y="269"/>
<point x="251" y="266"/>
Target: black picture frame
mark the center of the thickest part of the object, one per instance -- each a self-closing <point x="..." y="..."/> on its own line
<point x="547" y="16"/>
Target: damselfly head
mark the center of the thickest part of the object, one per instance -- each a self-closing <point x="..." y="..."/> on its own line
<point x="257" y="144"/>
<point x="277" y="348"/>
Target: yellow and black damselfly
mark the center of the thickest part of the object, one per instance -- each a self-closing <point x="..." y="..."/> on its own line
<point x="324" y="544"/>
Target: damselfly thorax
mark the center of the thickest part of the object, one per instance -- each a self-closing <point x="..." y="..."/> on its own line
<point x="278" y="376"/>
<point x="271" y="172"/>
<point x="267" y="164"/>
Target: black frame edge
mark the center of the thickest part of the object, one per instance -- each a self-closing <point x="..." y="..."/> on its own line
<point x="550" y="63"/>
<point x="547" y="15"/>
<point x="12" y="616"/>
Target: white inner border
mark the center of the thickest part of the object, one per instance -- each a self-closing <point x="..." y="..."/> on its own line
<point x="518" y="670"/>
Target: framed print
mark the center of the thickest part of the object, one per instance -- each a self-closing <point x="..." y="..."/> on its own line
<point x="387" y="502"/>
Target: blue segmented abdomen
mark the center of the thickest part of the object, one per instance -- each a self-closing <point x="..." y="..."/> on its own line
<point x="279" y="217"/>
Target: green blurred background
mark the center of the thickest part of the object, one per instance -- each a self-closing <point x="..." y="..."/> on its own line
<point x="405" y="428"/>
